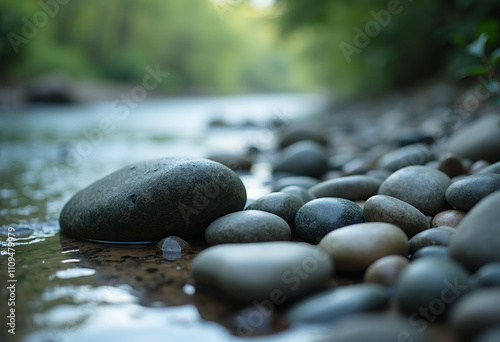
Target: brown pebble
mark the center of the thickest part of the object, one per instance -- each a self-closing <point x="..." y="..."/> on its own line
<point x="478" y="166"/>
<point x="385" y="271"/>
<point x="450" y="218"/>
<point x="451" y="165"/>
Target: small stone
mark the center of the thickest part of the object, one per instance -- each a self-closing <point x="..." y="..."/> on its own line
<point x="279" y="203"/>
<point x="386" y="270"/>
<point x="477" y="140"/>
<point x="303" y="181"/>
<point x="262" y="271"/>
<point x="356" y="166"/>
<point x="449" y="218"/>
<point x="304" y="158"/>
<point x="318" y="217"/>
<point x="234" y="161"/>
<point x="451" y="165"/>
<point x="493" y="168"/>
<point x="487" y="276"/>
<point x="331" y="305"/>
<point x="353" y="188"/>
<point x="420" y="186"/>
<point x="379" y="173"/>
<point x="355" y="247"/>
<point x="299" y="192"/>
<point x="477" y="240"/>
<point x="247" y="226"/>
<point x="431" y="285"/>
<point x="381" y="208"/>
<point x="439" y="236"/>
<point x="465" y="193"/>
<point x="416" y="154"/>
<point x="149" y="200"/>
<point x="172" y="247"/>
<point x="295" y="132"/>
<point x="475" y="314"/>
<point x="431" y="251"/>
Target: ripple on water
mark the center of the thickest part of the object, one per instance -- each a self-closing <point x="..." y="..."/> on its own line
<point x="73" y="273"/>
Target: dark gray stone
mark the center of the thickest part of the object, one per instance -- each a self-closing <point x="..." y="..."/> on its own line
<point x="318" y="217"/>
<point x="296" y="132"/>
<point x="234" y="161"/>
<point x="477" y="240"/>
<point x="353" y="188"/>
<point x="304" y="158"/>
<point x="303" y="181"/>
<point x="381" y="208"/>
<point x="475" y="314"/>
<point x="416" y="154"/>
<point x="465" y="193"/>
<point x="331" y="305"/>
<point x="487" y="276"/>
<point x="299" y="192"/>
<point x="491" y="335"/>
<point x="451" y="165"/>
<point x="439" y="236"/>
<point x="149" y="200"/>
<point x="420" y="186"/>
<point x="279" y="203"/>
<point x="431" y="251"/>
<point x="262" y="271"/>
<point x="477" y="140"/>
<point x="427" y="284"/>
<point x="247" y="226"/>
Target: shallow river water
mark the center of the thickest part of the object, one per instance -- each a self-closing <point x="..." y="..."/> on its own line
<point x="72" y="290"/>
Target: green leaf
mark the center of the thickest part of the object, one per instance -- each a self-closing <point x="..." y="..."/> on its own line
<point x="476" y="48"/>
<point x="473" y="70"/>
<point x="495" y="56"/>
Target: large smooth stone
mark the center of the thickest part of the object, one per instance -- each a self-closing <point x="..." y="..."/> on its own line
<point x="318" y="217"/>
<point x="475" y="314"/>
<point x="304" y="158"/>
<point x="376" y="328"/>
<point x="416" y="154"/>
<point x="381" y="208"/>
<point x="439" y="236"/>
<point x="357" y="187"/>
<point x="149" y="200"/>
<point x="279" y="203"/>
<point x="465" y="193"/>
<point x="300" y="192"/>
<point x="420" y="186"/>
<point x="477" y="240"/>
<point x="386" y="270"/>
<point x="478" y="140"/>
<point x="354" y="248"/>
<point x="429" y="286"/>
<point x="276" y="272"/>
<point x="247" y="226"/>
<point x="487" y="276"/>
<point x="329" y="306"/>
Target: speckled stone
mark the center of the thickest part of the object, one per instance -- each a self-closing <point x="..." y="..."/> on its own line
<point x="279" y="203"/>
<point x="355" y="247"/>
<point x="439" y="236"/>
<point x="247" y="226"/>
<point x="451" y="165"/>
<point x="149" y="200"/>
<point x="386" y="270"/>
<point x="318" y="217"/>
<point x="304" y="158"/>
<point x="353" y="188"/>
<point x="450" y="218"/>
<point x="487" y="276"/>
<point x="493" y="168"/>
<point x="429" y="286"/>
<point x="331" y="305"/>
<point x="475" y="314"/>
<point x="275" y="271"/>
<point x="464" y="194"/>
<point x="477" y="140"/>
<point x="431" y="251"/>
<point x="299" y="192"/>
<point x="416" y="154"/>
<point x="477" y="240"/>
<point x="420" y="186"/>
<point x="381" y="208"/>
<point x="376" y="328"/>
<point x="303" y="181"/>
